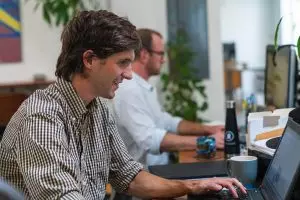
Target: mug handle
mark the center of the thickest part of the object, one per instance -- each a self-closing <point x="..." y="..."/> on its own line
<point x="228" y="167"/>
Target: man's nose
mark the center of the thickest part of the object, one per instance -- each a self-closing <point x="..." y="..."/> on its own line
<point x="127" y="74"/>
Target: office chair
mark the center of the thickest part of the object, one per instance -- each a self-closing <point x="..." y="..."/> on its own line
<point x="2" y="129"/>
<point x="7" y="192"/>
<point x="9" y="104"/>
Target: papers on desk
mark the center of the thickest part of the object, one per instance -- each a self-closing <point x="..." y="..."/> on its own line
<point x="261" y="122"/>
<point x="261" y="146"/>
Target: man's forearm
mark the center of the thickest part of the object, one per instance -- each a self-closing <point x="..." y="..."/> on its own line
<point x="148" y="186"/>
<point x="191" y="128"/>
<point x="172" y="142"/>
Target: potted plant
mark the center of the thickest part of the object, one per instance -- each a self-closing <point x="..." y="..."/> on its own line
<point x="59" y="12"/>
<point x="184" y="93"/>
<point x="276" y="38"/>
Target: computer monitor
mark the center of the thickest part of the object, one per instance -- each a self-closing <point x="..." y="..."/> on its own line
<point x="281" y="74"/>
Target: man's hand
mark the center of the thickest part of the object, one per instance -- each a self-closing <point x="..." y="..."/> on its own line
<point x="214" y="185"/>
<point x="212" y="130"/>
<point x="191" y="128"/>
<point x="218" y="133"/>
<point x="219" y="136"/>
<point x="149" y="186"/>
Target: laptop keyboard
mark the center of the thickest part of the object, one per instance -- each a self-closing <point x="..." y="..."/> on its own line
<point x="251" y="195"/>
<point x="225" y="194"/>
<point x="255" y="194"/>
<point x="242" y="195"/>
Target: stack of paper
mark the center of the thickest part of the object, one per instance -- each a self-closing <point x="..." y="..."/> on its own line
<point x="263" y="126"/>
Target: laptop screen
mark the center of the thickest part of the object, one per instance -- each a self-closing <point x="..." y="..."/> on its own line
<point x="279" y="177"/>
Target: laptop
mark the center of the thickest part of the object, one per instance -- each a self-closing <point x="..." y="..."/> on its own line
<point x="283" y="171"/>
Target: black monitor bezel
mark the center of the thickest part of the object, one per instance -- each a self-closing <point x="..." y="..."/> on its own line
<point x="292" y="74"/>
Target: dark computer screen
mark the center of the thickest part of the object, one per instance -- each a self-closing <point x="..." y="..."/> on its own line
<point x="279" y="178"/>
<point x="229" y="51"/>
<point x="280" y="76"/>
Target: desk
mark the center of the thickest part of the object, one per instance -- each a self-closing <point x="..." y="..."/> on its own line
<point x="190" y="157"/>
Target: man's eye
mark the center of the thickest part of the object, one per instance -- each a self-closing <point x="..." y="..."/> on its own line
<point x="124" y="63"/>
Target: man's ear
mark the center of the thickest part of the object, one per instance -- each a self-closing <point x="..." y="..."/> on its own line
<point x="144" y="56"/>
<point x="87" y="58"/>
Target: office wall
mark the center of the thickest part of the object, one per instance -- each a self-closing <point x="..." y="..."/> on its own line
<point x="143" y="13"/>
<point x="215" y="85"/>
<point x="251" y="25"/>
<point x="152" y="14"/>
<point x="41" y="45"/>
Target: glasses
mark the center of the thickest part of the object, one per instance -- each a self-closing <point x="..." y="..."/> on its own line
<point x="160" y="53"/>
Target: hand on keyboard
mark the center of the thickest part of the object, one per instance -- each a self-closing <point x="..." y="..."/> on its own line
<point x="213" y="185"/>
<point x="222" y="194"/>
<point x="226" y="194"/>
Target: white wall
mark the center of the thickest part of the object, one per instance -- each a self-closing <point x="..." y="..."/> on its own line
<point x="288" y="11"/>
<point x="143" y="13"/>
<point x="41" y="45"/>
<point x="251" y="25"/>
<point x="215" y="85"/>
<point x="153" y="15"/>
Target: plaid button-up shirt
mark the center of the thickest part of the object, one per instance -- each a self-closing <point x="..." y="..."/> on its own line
<point x="55" y="147"/>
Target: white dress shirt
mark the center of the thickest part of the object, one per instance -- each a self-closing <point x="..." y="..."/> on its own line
<point x="141" y="122"/>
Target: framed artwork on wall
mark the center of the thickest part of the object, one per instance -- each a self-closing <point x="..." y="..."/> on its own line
<point x="10" y="31"/>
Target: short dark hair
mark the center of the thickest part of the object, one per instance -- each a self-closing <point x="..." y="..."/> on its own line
<point x="146" y="39"/>
<point x="101" y="31"/>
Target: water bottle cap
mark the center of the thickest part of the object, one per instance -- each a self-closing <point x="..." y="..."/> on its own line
<point x="230" y="104"/>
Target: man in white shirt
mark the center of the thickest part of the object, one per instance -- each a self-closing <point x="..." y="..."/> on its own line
<point x="147" y="130"/>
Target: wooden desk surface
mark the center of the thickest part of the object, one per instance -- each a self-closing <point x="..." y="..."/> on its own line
<point x="26" y="84"/>
<point x="191" y="156"/>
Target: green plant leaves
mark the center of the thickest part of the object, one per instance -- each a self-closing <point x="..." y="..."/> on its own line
<point x="46" y="13"/>
<point x="298" y="46"/>
<point x="181" y="86"/>
<point x="276" y="34"/>
<point x="59" y="12"/>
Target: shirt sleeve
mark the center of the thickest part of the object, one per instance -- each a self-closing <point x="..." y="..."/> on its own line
<point x="170" y="122"/>
<point x="44" y="161"/>
<point x="123" y="168"/>
<point x="134" y="115"/>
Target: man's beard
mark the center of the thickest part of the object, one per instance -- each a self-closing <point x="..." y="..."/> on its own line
<point x="153" y="71"/>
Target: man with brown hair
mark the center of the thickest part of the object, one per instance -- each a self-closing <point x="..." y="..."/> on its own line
<point x="62" y="143"/>
<point x="148" y="132"/>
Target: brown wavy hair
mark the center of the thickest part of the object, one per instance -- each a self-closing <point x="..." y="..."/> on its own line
<point x="102" y="32"/>
<point x="146" y="39"/>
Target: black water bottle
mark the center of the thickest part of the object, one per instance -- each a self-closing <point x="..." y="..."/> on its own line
<point x="232" y="141"/>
